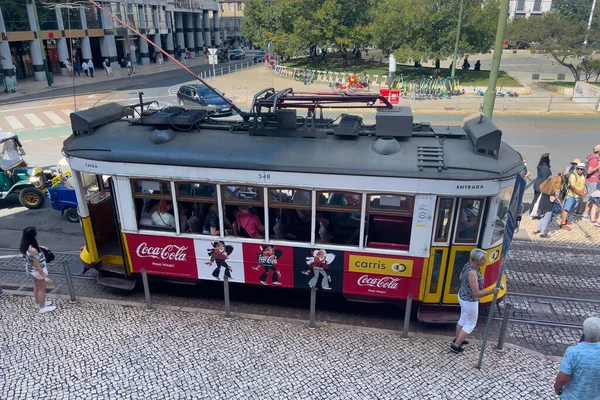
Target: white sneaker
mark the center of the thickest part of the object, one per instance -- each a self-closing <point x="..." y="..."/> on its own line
<point x="47" y="309"/>
<point x="48" y="303"/>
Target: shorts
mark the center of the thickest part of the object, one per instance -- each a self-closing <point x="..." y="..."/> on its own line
<point x="37" y="275"/>
<point x="590" y="187"/>
<point x="469" y="312"/>
<point x="570" y="203"/>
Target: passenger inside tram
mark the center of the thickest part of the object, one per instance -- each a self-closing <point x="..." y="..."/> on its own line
<point x="339" y="227"/>
<point x="248" y="224"/>
<point x="468" y="219"/>
<point x="163" y="215"/>
<point x="211" y="222"/>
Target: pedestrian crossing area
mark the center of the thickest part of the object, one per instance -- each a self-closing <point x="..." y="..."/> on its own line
<point x="33" y="119"/>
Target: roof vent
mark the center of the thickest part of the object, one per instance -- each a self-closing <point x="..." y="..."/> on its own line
<point x="486" y="136"/>
<point x="394" y="122"/>
<point x="160" y="136"/>
<point x="84" y="122"/>
<point x="386" y="146"/>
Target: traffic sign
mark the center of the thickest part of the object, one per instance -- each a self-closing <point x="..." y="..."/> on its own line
<point x="212" y="59"/>
<point x="212" y="51"/>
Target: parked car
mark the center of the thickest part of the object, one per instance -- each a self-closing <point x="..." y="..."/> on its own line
<point x="200" y="96"/>
<point x="237" y="54"/>
<point x="29" y="183"/>
<point x="258" y="57"/>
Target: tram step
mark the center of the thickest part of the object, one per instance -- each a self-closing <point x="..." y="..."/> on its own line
<point x="113" y="269"/>
<point x="116" y="282"/>
<point x="438" y="313"/>
<point x="114" y="276"/>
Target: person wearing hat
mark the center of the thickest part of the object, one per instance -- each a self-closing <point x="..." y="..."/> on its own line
<point x="576" y="191"/>
<point x="591" y="180"/>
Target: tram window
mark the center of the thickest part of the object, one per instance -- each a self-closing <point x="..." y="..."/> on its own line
<point x="242" y="195"/>
<point x="389" y="221"/>
<point x="153" y="205"/>
<point x="338" y="217"/>
<point x="196" y="191"/>
<point x="94" y="184"/>
<point x="444" y="215"/>
<point x="156" y="189"/>
<point x="460" y="259"/>
<point x="194" y="201"/>
<point x="502" y="215"/>
<point x="469" y="216"/>
<point x="290" y="214"/>
<point x="435" y="271"/>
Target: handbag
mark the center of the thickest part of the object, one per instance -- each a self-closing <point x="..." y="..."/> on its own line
<point x="48" y="255"/>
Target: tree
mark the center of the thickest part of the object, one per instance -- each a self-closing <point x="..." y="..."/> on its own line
<point x="577" y="10"/>
<point x="426" y="30"/>
<point x="295" y="26"/>
<point x="561" y="37"/>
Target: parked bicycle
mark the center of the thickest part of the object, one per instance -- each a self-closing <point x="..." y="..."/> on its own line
<point x="306" y="76"/>
<point x="354" y="85"/>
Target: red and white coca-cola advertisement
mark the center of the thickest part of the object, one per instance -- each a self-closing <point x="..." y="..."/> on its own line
<point x="163" y="255"/>
<point x="382" y="276"/>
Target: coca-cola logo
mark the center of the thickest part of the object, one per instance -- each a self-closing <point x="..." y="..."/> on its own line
<point x="169" y="252"/>
<point x="385" y="282"/>
<point x="267" y="259"/>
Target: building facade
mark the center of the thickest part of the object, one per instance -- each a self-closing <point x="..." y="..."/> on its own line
<point x="232" y="18"/>
<point x="86" y="33"/>
<point x="528" y="8"/>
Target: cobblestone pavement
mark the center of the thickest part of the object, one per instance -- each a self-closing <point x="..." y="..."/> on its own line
<point x="96" y="350"/>
<point x="530" y="268"/>
<point x="582" y="233"/>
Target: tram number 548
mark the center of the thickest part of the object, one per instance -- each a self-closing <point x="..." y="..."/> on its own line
<point x="264" y="177"/>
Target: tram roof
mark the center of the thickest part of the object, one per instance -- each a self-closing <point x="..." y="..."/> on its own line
<point x="121" y="141"/>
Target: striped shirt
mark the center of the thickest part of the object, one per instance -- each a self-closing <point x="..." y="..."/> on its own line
<point x="28" y="257"/>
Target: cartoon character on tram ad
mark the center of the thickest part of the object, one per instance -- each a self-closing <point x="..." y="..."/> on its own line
<point x="219" y="253"/>
<point x="319" y="262"/>
<point x="267" y="259"/>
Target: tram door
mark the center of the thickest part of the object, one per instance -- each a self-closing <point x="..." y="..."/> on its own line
<point x="456" y="232"/>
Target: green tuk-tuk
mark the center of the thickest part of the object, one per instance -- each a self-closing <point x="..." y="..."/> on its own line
<point x="29" y="183"/>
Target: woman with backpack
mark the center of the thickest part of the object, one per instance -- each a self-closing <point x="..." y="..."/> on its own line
<point x="543" y="173"/>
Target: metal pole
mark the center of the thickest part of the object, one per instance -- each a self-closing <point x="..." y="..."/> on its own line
<point x="490" y="317"/>
<point x="597" y="104"/>
<point x="589" y="22"/>
<point x="39" y="37"/>
<point x="490" y="94"/>
<point x="69" y="283"/>
<point x="550" y="103"/>
<point x="504" y="103"/>
<point x="226" y="294"/>
<point x="232" y="93"/>
<point x="146" y="290"/>
<point x="500" y="347"/>
<point x="460" y="16"/>
<point x="313" y="302"/>
<point x="229" y="66"/>
<point x="407" y="317"/>
<point x="221" y="71"/>
<point x="246" y="93"/>
<point x="458" y="102"/>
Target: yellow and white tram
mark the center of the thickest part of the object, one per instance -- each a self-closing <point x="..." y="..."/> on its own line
<point x="372" y="212"/>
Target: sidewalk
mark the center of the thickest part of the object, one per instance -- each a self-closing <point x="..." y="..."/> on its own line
<point x="582" y="234"/>
<point x="106" y="349"/>
<point x="30" y="85"/>
<point x="242" y="86"/>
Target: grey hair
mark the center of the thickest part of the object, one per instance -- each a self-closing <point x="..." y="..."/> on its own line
<point x="591" y="329"/>
<point x="478" y="254"/>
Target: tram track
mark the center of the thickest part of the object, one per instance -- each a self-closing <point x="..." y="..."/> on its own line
<point x="553" y="303"/>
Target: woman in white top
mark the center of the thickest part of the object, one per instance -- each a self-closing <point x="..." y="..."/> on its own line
<point x="35" y="265"/>
<point x="162" y="217"/>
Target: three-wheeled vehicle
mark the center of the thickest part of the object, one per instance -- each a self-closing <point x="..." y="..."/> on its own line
<point x="61" y="193"/>
<point x="29" y="183"/>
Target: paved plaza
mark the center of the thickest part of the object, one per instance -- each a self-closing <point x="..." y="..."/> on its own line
<point x="100" y="350"/>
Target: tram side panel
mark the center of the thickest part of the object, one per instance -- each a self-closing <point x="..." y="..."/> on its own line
<point x="348" y="272"/>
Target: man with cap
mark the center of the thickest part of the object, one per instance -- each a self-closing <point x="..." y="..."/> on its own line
<point x="591" y="180"/>
<point x="576" y="189"/>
